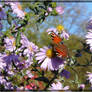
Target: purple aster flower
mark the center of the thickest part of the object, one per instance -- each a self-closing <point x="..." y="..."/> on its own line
<point x="65" y="73"/>
<point x="10" y="72"/>
<point x="31" y="48"/>
<point x="46" y="14"/>
<point x="29" y="74"/>
<point x="58" y="86"/>
<point x="89" y="75"/>
<point x="28" y="62"/>
<point x="17" y="9"/>
<point x="10" y="43"/>
<point x="89" y="39"/>
<point x="1" y="26"/>
<point x="59" y="31"/>
<point x="2" y="63"/>
<point x="52" y="30"/>
<point x="2" y="80"/>
<point x="59" y="10"/>
<point x="20" y="88"/>
<point x="64" y="35"/>
<point x="12" y="60"/>
<point x="2" y="13"/>
<point x="21" y="65"/>
<point x="81" y="86"/>
<point x="24" y="41"/>
<point x="49" y="9"/>
<point x="89" y="25"/>
<point x="8" y="59"/>
<point x="45" y="57"/>
<point x="8" y="86"/>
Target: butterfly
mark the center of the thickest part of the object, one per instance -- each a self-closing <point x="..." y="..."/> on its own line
<point x="58" y="45"/>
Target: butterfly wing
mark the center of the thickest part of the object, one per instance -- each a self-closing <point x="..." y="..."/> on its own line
<point x="55" y="38"/>
<point x="59" y="47"/>
<point x="61" y="50"/>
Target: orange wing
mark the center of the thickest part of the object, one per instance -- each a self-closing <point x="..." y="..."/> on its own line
<point x="59" y="47"/>
<point x="56" y="39"/>
<point x="61" y="50"/>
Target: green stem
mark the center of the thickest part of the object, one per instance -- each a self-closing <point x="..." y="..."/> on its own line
<point x="50" y="82"/>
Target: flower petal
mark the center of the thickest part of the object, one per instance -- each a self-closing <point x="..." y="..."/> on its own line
<point x="40" y="57"/>
<point x="40" y="53"/>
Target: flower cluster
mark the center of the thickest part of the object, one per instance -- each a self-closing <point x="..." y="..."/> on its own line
<point x="23" y="58"/>
<point x="24" y="64"/>
<point x="59" y="10"/>
<point x="17" y="9"/>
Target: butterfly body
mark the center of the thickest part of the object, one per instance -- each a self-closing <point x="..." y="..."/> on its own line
<point x="59" y="47"/>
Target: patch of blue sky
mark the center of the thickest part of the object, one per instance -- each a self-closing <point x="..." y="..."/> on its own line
<point x="67" y="22"/>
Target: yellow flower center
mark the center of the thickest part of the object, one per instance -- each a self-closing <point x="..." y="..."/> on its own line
<point x="14" y="43"/>
<point x="30" y="48"/>
<point x="60" y="28"/>
<point x="49" y="53"/>
<point x="11" y="37"/>
<point x="19" y="6"/>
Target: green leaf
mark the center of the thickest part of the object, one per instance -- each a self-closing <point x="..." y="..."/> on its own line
<point x="18" y="39"/>
<point x="53" y="4"/>
<point x="9" y="18"/>
<point x="54" y="13"/>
